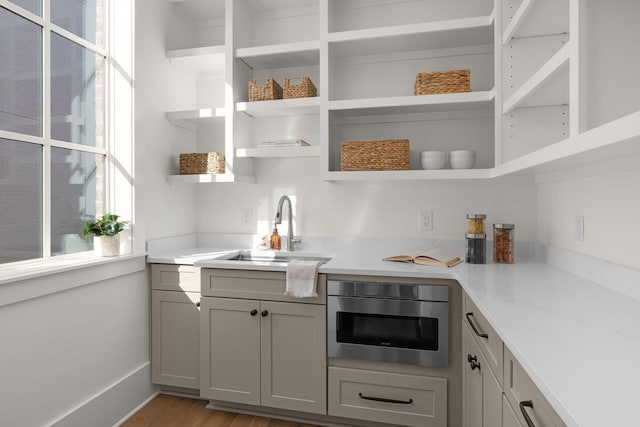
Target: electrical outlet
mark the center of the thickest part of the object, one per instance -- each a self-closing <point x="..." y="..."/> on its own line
<point x="247" y="216"/>
<point x="425" y="220"/>
<point x="579" y="228"/>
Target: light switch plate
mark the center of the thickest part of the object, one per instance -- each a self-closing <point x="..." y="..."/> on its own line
<point x="425" y="220"/>
<point x="579" y="228"/>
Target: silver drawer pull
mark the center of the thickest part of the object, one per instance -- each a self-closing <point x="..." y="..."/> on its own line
<point x="477" y="330"/>
<point x="384" y="399"/>
<point x="523" y="405"/>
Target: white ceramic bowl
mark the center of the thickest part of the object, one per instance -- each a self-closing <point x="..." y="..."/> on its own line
<point x="462" y="159"/>
<point x="433" y="159"/>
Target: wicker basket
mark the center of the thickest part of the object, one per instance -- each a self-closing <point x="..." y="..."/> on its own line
<point x="451" y="81"/>
<point x="304" y="89"/>
<point x="392" y="154"/>
<point x="201" y="163"/>
<point x="268" y="90"/>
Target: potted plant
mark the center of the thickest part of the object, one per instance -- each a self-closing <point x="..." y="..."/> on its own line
<point x="106" y="230"/>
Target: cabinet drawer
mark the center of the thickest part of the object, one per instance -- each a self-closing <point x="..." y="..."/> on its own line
<point x="524" y="396"/>
<point x="171" y="277"/>
<point x="488" y="340"/>
<point x="262" y="285"/>
<point x="387" y="397"/>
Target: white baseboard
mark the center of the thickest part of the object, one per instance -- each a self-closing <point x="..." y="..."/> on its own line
<point x="114" y="404"/>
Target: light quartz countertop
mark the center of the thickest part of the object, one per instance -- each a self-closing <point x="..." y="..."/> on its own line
<point x="578" y="340"/>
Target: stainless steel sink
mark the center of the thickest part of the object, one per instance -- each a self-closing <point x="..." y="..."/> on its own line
<point x="281" y="258"/>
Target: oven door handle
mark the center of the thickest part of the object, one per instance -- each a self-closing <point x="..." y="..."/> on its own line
<point x="384" y="399"/>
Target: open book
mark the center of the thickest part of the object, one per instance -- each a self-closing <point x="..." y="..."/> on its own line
<point x="435" y="257"/>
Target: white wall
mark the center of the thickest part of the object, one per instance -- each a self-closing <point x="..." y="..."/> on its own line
<point x="388" y="209"/>
<point x="607" y="196"/>
<point x="163" y="210"/>
<point x="66" y="349"/>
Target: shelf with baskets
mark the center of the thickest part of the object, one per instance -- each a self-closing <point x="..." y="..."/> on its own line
<point x="280" y="107"/>
<point x="384" y="62"/>
<point x="421" y="71"/>
<point x="209" y="178"/>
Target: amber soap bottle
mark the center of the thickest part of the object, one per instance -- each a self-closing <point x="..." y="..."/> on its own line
<point x="275" y="240"/>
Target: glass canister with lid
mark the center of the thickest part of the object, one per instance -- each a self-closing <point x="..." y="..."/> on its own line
<point x="503" y="243"/>
<point x="475" y="223"/>
<point x="475" y="248"/>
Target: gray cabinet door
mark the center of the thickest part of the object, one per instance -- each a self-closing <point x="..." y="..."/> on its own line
<point x="482" y="395"/>
<point x="230" y="353"/>
<point x="293" y="373"/>
<point x="175" y="341"/>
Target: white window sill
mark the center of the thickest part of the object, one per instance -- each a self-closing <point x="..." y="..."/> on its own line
<point x="31" y="279"/>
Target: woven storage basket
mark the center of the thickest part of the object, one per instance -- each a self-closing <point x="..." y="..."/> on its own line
<point x="451" y="81"/>
<point x="201" y="163"/>
<point x="391" y="154"/>
<point x="304" y="89"/>
<point x="264" y="89"/>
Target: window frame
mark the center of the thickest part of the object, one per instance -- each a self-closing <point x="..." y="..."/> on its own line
<point x="46" y="141"/>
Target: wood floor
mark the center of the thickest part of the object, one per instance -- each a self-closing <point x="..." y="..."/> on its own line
<point x="170" y="411"/>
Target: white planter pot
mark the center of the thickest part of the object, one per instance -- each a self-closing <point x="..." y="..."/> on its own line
<point x="107" y="245"/>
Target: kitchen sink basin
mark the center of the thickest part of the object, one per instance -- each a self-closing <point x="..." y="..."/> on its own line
<point x="281" y="258"/>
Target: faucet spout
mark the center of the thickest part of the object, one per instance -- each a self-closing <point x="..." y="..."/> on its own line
<point x="278" y="220"/>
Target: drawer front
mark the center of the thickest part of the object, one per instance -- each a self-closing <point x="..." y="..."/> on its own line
<point x="387" y="397"/>
<point x="490" y="344"/>
<point x="171" y="277"/>
<point x="525" y="398"/>
<point x="261" y="285"/>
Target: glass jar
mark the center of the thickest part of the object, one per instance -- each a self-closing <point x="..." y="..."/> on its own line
<point x="475" y="223"/>
<point x="503" y="239"/>
<point x="476" y="248"/>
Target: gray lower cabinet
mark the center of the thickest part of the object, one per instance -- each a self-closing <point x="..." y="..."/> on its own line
<point x="175" y="322"/>
<point x="509" y="418"/>
<point x="525" y="399"/>
<point x="482" y="394"/>
<point x="388" y="397"/>
<point x="261" y="352"/>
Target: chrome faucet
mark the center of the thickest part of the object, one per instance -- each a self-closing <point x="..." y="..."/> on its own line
<point x="290" y="239"/>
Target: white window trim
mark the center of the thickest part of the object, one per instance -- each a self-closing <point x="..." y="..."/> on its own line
<point x="119" y="177"/>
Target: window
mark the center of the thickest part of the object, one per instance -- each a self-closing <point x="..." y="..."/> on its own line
<point x="53" y="105"/>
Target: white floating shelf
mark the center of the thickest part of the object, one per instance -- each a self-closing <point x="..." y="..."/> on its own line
<point x="413" y="104"/>
<point x="188" y="119"/>
<point x="538" y="18"/>
<point x="407" y="175"/>
<point x="529" y="94"/>
<point x="200" y="9"/>
<point x="616" y="139"/>
<point x="209" y="58"/>
<point x="279" y="152"/>
<point x="209" y="178"/>
<point x="425" y="36"/>
<point x="281" y="107"/>
<point x="299" y="54"/>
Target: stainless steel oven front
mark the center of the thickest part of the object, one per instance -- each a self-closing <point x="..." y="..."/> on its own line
<point x="389" y="322"/>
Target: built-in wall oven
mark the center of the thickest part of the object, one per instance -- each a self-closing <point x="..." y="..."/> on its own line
<point x="389" y="322"/>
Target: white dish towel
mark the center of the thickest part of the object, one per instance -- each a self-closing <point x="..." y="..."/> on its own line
<point x="302" y="277"/>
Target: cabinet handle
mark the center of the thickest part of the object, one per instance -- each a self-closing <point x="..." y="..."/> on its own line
<point x="523" y="405"/>
<point x="473" y="361"/>
<point x="254" y="312"/>
<point x="384" y="399"/>
<point x="264" y="313"/>
<point x="198" y="304"/>
<point x="477" y="330"/>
